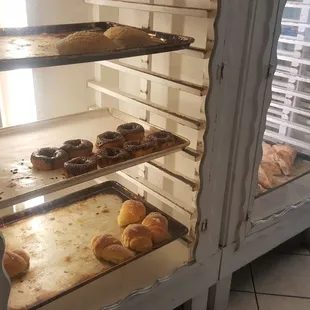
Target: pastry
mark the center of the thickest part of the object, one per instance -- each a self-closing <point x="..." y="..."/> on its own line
<point x="110" y="139"/>
<point x="49" y="158"/>
<point x="78" y="148"/>
<point x="110" y="249"/>
<point x="260" y="189"/>
<point x="111" y="156"/>
<point x="284" y="160"/>
<point x="267" y="149"/>
<point x="265" y="178"/>
<point x="158" y="225"/>
<point x="131" y="131"/>
<point x="16" y="262"/>
<point x="139" y="148"/>
<point x="128" y="37"/>
<point x="268" y="163"/>
<point x="84" y="42"/>
<point x="132" y="211"/>
<point x="137" y="237"/>
<point x="162" y="139"/>
<point x="80" y="165"/>
<point x="280" y="148"/>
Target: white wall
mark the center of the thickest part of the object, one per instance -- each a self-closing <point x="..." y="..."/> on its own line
<point x="61" y="90"/>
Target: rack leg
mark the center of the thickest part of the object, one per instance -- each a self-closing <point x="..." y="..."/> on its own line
<point x="219" y="294"/>
<point x="197" y="303"/>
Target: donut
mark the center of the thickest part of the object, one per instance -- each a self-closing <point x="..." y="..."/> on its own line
<point x="80" y="165"/>
<point x="78" y="148"/>
<point x="109" y="156"/>
<point x="49" y="158"/>
<point x="139" y="148"/>
<point x="110" y="139"/>
<point x="131" y="131"/>
<point x="162" y="139"/>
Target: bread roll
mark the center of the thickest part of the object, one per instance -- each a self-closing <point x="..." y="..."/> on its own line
<point x="110" y="249"/>
<point x="128" y="36"/>
<point x="158" y="225"/>
<point x="264" y="178"/>
<point x="16" y="262"/>
<point x="268" y="163"/>
<point x="267" y="149"/>
<point x="84" y="42"/>
<point x="137" y="237"/>
<point x="132" y="211"/>
<point x="279" y="148"/>
<point x="284" y="161"/>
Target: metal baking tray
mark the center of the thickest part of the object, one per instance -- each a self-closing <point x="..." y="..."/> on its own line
<point x="19" y="182"/>
<point x="57" y="237"/>
<point x="33" y="47"/>
<point x="301" y="168"/>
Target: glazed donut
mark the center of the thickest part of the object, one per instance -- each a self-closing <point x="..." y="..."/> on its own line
<point x="162" y="139"/>
<point x="80" y="165"/>
<point x="110" y="139"/>
<point x="139" y="148"/>
<point x="78" y="148"/>
<point x="109" y="156"/>
<point x="131" y="131"/>
<point x="48" y="158"/>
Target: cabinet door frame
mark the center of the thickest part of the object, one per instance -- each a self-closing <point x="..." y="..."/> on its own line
<point x="255" y="93"/>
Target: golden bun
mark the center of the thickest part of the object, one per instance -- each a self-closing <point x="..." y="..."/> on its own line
<point x="128" y="36"/>
<point x="110" y="249"/>
<point x="137" y="237"/>
<point x="83" y="42"/>
<point x="16" y="262"/>
<point x="158" y="225"/>
<point x="131" y="212"/>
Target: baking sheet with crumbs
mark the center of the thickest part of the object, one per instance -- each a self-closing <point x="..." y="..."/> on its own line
<point x="32" y="47"/>
<point x="300" y="168"/>
<point x="57" y="237"/>
<point x="58" y="243"/>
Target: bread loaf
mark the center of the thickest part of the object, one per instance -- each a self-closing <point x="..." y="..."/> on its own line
<point x="137" y="237"/>
<point x="265" y="178"/>
<point x="110" y="249"/>
<point x="128" y="36"/>
<point x="84" y="42"/>
<point x="16" y="262"/>
<point x="158" y="225"/>
<point x="132" y="211"/>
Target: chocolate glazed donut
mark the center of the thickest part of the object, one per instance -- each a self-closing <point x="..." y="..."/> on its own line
<point x="139" y="148"/>
<point x="80" y="165"/>
<point x="131" y="131"/>
<point x="78" y="148"/>
<point x="110" y="139"/>
<point x="49" y="158"/>
<point x="110" y="156"/>
<point x="162" y="139"/>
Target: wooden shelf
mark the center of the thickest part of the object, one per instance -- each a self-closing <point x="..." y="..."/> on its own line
<point x="25" y="183"/>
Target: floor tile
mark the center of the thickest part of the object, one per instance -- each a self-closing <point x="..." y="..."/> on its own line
<point x="282" y="274"/>
<point x="242" y="301"/>
<point x="296" y="245"/>
<point x="242" y="281"/>
<point x="268" y="302"/>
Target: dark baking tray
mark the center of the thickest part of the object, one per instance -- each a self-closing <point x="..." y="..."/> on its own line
<point x="29" y="47"/>
<point x="176" y="229"/>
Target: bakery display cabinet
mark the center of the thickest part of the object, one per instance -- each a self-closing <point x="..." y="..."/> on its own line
<point x="64" y="240"/>
<point x="268" y="200"/>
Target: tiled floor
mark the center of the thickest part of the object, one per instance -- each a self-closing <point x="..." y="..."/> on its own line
<point x="278" y="280"/>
